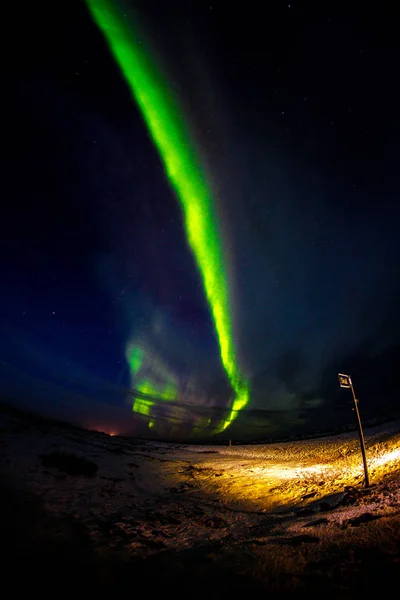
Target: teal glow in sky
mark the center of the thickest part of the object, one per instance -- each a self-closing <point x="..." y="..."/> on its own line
<point x="162" y="116"/>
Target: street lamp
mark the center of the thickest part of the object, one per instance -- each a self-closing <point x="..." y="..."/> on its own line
<point x="345" y="382"/>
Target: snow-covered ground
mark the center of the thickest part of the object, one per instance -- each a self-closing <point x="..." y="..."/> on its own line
<point x="148" y="498"/>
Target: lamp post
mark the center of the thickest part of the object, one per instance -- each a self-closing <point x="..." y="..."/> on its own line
<point x="345" y="382"/>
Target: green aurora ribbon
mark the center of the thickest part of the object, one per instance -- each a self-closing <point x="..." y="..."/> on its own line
<point x="161" y="114"/>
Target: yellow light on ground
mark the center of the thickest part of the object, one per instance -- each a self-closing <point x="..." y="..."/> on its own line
<point x="272" y="478"/>
<point x="388" y="457"/>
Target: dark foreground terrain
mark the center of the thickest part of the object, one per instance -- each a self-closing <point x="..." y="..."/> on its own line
<point x="83" y="512"/>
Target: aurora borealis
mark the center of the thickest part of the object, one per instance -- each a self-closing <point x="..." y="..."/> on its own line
<point x="199" y="225"/>
<point x="165" y="124"/>
<point x="149" y="389"/>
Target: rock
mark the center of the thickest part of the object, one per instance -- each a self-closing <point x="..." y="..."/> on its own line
<point x="181" y="489"/>
<point x="213" y="522"/>
<point x="256" y="542"/>
<point x="317" y="522"/>
<point x="306" y="512"/>
<point x="364" y="518"/>
<point x="69" y="463"/>
<point x="310" y="495"/>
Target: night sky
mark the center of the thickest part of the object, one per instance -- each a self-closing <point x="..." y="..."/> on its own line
<point x="293" y="109"/>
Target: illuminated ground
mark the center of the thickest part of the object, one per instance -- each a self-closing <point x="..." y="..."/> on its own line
<point x="282" y="518"/>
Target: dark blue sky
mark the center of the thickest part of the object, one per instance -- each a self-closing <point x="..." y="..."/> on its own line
<point x="294" y="108"/>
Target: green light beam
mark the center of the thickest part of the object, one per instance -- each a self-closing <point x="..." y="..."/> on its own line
<point x="161" y="115"/>
<point x="165" y="392"/>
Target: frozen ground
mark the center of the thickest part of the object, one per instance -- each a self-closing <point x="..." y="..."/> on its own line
<point x="281" y="518"/>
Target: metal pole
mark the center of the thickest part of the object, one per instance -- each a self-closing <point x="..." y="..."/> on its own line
<point x="360" y="431"/>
